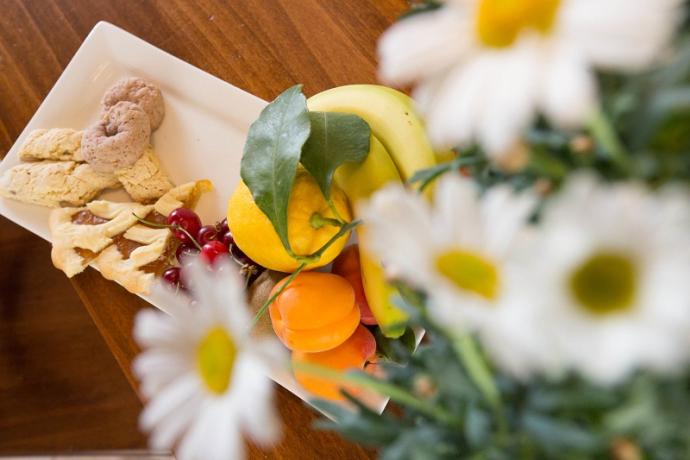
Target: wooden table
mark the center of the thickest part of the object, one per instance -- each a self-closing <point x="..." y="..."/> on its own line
<point x="262" y="46"/>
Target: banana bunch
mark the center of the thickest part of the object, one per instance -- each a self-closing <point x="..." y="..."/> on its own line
<point x="399" y="147"/>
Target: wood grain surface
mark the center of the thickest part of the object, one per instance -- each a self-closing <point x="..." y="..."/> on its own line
<point x="60" y="387"/>
<point x="262" y="46"/>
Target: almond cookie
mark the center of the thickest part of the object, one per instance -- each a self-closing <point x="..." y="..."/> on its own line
<point x="54" y="183"/>
<point x="139" y="91"/>
<point x="145" y="181"/>
<point x="117" y="141"/>
<point x="58" y="144"/>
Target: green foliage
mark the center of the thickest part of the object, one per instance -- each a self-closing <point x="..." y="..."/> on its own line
<point x="335" y="138"/>
<point x="285" y="134"/>
<point x="566" y="418"/>
<point x="271" y="154"/>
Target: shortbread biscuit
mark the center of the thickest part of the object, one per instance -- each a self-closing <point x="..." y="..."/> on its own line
<point x="145" y="181"/>
<point x="57" y="144"/>
<point x="54" y="183"/>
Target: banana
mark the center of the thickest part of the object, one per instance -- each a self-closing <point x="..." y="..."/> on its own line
<point x="359" y="181"/>
<point x="399" y="147"/>
<point x="392" y="119"/>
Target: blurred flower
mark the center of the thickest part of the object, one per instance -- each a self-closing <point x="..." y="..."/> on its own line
<point x="609" y="276"/>
<point x="485" y="67"/>
<point x="205" y="377"/>
<point x="461" y="253"/>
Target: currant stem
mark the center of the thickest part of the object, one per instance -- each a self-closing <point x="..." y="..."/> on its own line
<point x="169" y="226"/>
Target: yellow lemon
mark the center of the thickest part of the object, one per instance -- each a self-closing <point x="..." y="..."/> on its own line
<point x="254" y="234"/>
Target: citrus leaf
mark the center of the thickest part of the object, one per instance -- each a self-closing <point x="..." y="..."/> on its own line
<point x="335" y="138"/>
<point x="271" y="154"/>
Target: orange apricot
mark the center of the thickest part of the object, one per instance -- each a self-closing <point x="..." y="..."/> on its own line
<point x="354" y="353"/>
<point x="316" y="312"/>
<point x="347" y="265"/>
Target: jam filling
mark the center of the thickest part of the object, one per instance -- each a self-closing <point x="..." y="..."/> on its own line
<point x="86" y="217"/>
<point x="126" y="247"/>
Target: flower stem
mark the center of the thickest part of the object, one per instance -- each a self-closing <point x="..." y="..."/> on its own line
<point x="479" y="372"/>
<point x="272" y="299"/>
<point x="605" y="135"/>
<point x="394" y="392"/>
<point x="476" y="367"/>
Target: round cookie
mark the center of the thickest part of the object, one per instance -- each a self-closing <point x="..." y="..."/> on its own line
<point x="118" y="140"/>
<point x="141" y="92"/>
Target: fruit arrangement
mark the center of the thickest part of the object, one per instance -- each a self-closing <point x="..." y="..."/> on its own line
<point x="293" y="212"/>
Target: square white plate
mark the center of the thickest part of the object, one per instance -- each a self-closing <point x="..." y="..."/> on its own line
<point x="201" y="137"/>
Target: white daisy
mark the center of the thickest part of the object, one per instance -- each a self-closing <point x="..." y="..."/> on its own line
<point x="484" y="68"/>
<point x="460" y="252"/>
<point x="205" y="377"/>
<point x="609" y="276"/>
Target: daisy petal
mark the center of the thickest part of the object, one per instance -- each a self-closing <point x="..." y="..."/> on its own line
<point x="569" y="95"/>
<point x="417" y="47"/>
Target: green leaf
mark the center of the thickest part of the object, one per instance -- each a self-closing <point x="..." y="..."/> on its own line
<point x="335" y="138"/>
<point x="396" y="350"/>
<point x="558" y="434"/>
<point x="426" y="176"/>
<point x="271" y="154"/>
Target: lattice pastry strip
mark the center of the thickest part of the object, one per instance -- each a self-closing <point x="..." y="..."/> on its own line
<point x="79" y="234"/>
<point x="137" y="258"/>
<point x="143" y="252"/>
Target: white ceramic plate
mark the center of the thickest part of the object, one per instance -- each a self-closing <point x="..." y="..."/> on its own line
<point x="201" y="137"/>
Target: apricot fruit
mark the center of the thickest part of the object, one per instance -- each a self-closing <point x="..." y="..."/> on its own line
<point x="347" y="265"/>
<point x="316" y="312"/>
<point x="354" y="353"/>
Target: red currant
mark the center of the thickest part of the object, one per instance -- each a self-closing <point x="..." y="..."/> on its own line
<point x="186" y="219"/>
<point x="222" y="226"/>
<point x="227" y="239"/>
<point x="184" y="251"/>
<point x="240" y="256"/>
<point x="172" y="276"/>
<point x="206" y="233"/>
<point x="212" y="250"/>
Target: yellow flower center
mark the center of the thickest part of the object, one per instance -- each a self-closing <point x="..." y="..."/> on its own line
<point x="470" y="272"/>
<point x="605" y="283"/>
<point x="215" y="357"/>
<point x="500" y="22"/>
